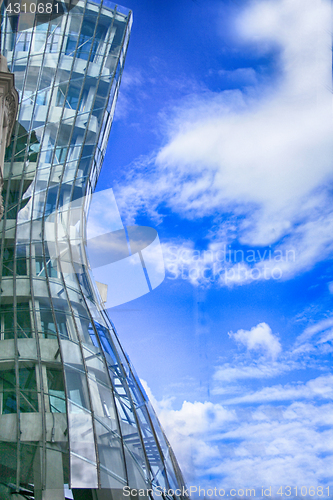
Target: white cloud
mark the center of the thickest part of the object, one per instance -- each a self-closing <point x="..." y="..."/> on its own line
<point x="191" y="430"/>
<point x="267" y="157"/>
<point x="272" y="363"/>
<point x="264" y="157"/>
<point x="321" y="387"/>
<point x="274" y="435"/>
<point x="229" y="373"/>
<point x="261" y="338"/>
<point x="188" y="429"/>
<point x="192" y="418"/>
<point x="271" y="445"/>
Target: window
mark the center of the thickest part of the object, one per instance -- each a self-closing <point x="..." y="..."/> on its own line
<point x="41" y="98"/>
<point x="23" y="42"/>
<point x="8" y="382"/>
<point x="28" y="388"/>
<point x="72" y="98"/>
<point x="51" y="267"/>
<point x="71" y="44"/>
<point x="77" y="390"/>
<point x="7" y="321"/>
<point x="21" y="261"/>
<point x="62" y="324"/>
<point x="23" y="321"/>
<point x="55" y="382"/>
<point x="48" y="326"/>
<point x="53" y="40"/>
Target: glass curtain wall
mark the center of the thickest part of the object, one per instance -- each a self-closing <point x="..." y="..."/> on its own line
<point x="73" y="415"/>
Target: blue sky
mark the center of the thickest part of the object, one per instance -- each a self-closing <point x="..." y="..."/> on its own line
<point x="222" y="141"/>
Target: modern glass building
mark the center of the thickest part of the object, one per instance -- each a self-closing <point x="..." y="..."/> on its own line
<point x="74" y="419"/>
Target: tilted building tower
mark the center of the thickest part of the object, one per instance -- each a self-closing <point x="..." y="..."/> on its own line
<point x="73" y="416"/>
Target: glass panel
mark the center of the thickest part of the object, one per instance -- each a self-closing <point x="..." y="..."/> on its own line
<point x="24" y="329"/>
<point x="108" y="480"/>
<point x="81" y="435"/>
<point x="135" y="391"/>
<point x="28" y="388"/>
<point x="71" y="354"/>
<point x="39" y="202"/>
<point x="130" y="434"/>
<point x="53" y="39"/>
<point x="95" y="365"/>
<point x="170" y="473"/>
<point x="150" y="444"/>
<point x="72" y="41"/>
<point x="51" y="200"/>
<point x="7" y="315"/>
<point x="46" y="80"/>
<point x="106" y="412"/>
<point x="27" y="457"/>
<point x="9" y="402"/>
<point x="23" y="41"/>
<point x="77" y="390"/>
<point x="63" y="322"/>
<point x="82" y="324"/>
<point x="8" y="380"/>
<point x="8" y="462"/>
<point x="32" y="73"/>
<point x="21" y="260"/>
<point x="110" y="452"/>
<point x="157" y="428"/>
<point x="136" y="468"/>
<point x="50" y="266"/>
<point x="104" y="338"/>
<point x="55" y="381"/>
<point x="8" y="263"/>
<point x="83" y="474"/>
<point x="47" y="324"/>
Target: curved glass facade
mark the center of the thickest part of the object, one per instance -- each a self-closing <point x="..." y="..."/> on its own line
<point x="73" y="415"/>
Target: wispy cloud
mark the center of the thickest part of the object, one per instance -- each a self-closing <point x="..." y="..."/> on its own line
<point x="240" y="76"/>
<point x="243" y="371"/>
<point x="319" y="327"/>
<point x="321" y="387"/>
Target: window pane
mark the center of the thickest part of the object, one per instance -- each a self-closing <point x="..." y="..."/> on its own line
<point x="28" y="388"/>
<point x="8" y="380"/>
<point x="9" y="402"/>
<point x="77" y="389"/>
<point x="48" y="326"/>
<point x="27" y="376"/>
<point x="23" y="321"/>
<point x="56" y="389"/>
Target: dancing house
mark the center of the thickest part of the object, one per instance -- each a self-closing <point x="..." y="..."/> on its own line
<point x="74" y="419"/>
